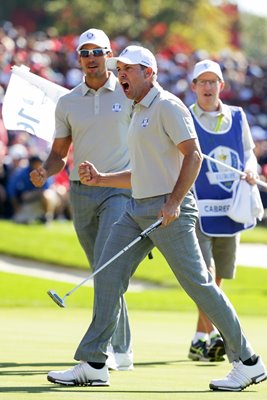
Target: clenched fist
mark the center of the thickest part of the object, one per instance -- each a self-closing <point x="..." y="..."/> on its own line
<point x="88" y="174"/>
<point x="38" y="176"/>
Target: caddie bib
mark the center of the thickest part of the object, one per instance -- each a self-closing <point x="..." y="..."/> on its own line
<point x="215" y="185"/>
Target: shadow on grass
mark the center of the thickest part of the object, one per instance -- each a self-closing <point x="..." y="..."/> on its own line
<point x="65" y="365"/>
<point x="10" y="369"/>
<point x="50" y="365"/>
<point x="46" y="389"/>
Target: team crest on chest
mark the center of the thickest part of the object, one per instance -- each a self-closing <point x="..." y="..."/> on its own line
<point x="220" y="175"/>
<point x="116" y="107"/>
<point x="145" y="122"/>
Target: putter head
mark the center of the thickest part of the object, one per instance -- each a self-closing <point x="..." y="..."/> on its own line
<point x="58" y="300"/>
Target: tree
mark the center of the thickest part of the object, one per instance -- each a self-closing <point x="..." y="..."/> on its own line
<point x="254" y="36"/>
<point x="180" y="24"/>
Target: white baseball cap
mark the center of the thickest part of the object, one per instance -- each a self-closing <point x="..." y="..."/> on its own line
<point x="94" y="36"/>
<point x="207" y="66"/>
<point x="134" y="55"/>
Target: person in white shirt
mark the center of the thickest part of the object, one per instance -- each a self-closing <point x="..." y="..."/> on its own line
<point x="224" y="135"/>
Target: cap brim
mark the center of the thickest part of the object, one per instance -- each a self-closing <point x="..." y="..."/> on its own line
<point x="91" y="42"/>
<point x="112" y="62"/>
<point x="196" y="75"/>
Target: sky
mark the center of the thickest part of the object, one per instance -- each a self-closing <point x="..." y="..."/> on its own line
<point x="258" y="7"/>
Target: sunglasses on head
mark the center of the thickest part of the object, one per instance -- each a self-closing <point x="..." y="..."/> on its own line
<point x="95" y="52"/>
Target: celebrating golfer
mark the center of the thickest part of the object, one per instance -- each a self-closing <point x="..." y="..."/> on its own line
<point x="165" y="161"/>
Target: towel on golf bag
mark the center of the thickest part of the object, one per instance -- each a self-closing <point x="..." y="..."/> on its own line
<point x="247" y="205"/>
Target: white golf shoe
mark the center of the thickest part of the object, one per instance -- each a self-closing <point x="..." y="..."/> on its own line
<point x="241" y="377"/>
<point x="119" y="361"/>
<point x="80" y="375"/>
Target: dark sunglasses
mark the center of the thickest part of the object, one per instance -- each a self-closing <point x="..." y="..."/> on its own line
<point x="95" y="52"/>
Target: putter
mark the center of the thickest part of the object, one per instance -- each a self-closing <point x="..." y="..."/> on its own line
<point x="60" y="301"/>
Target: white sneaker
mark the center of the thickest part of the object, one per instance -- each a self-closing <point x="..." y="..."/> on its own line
<point x="81" y="375"/>
<point x="241" y="377"/>
<point x="119" y="361"/>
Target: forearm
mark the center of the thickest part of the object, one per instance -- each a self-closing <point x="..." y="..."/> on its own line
<point x="54" y="164"/>
<point x="250" y="161"/>
<point x="90" y="176"/>
<point x="58" y="156"/>
<point x="188" y="174"/>
<point x="120" y="179"/>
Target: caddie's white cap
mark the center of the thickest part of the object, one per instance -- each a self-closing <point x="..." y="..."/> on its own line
<point x="134" y="55"/>
<point x="94" y="36"/>
<point x="207" y="66"/>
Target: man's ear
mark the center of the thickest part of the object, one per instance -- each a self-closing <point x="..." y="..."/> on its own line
<point x="193" y="86"/>
<point x="148" y="72"/>
<point x="110" y="54"/>
<point x="222" y="84"/>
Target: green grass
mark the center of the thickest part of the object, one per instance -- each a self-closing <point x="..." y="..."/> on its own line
<point x="256" y="235"/>
<point x="37" y="336"/>
<point x="55" y="243"/>
<point x="36" y="340"/>
<point x="58" y="244"/>
<point x="247" y="292"/>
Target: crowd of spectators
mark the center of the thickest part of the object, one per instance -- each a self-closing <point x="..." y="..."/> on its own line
<point x="55" y="58"/>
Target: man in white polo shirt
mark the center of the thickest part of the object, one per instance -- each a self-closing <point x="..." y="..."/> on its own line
<point x="165" y="161"/>
<point x="94" y="119"/>
<point x="224" y="135"/>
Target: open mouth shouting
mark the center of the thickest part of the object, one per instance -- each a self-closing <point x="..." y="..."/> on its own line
<point x="125" y="86"/>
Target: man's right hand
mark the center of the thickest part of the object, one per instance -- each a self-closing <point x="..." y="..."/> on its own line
<point x="88" y="174"/>
<point x="38" y="177"/>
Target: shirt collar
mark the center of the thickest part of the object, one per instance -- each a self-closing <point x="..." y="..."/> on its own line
<point x="221" y="111"/>
<point x="150" y="96"/>
<point x="110" y="84"/>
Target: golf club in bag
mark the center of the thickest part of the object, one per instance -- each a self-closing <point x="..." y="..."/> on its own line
<point x="61" y="301"/>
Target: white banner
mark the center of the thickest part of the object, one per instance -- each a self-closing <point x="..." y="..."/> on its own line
<point x="29" y="103"/>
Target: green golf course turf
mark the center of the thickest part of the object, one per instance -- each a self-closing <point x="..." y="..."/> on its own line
<point x="37" y="336"/>
<point x="36" y="340"/>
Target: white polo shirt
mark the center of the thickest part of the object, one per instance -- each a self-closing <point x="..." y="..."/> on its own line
<point x="98" y="123"/>
<point x="159" y="123"/>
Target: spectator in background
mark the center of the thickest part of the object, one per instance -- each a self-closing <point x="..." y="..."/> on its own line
<point x="3" y="182"/>
<point x="260" y="138"/>
<point x="14" y="158"/>
<point x="31" y="204"/>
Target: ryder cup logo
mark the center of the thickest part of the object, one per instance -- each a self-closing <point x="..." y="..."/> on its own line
<point x="90" y="35"/>
<point x="116" y="107"/>
<point x="124" y="52"/>
<point x="218" y="174"/>
<point x="145" y="122"/>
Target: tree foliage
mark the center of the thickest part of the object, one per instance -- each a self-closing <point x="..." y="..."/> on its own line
<point x="195" y="22"/>
<point x="254" y="36"/>
<point x="180" y="24"/>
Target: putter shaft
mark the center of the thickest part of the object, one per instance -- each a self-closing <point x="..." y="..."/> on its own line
<point x="61" y="301"/>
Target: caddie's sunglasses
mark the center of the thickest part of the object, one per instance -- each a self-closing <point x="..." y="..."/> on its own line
<point x="95" y="52"/>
